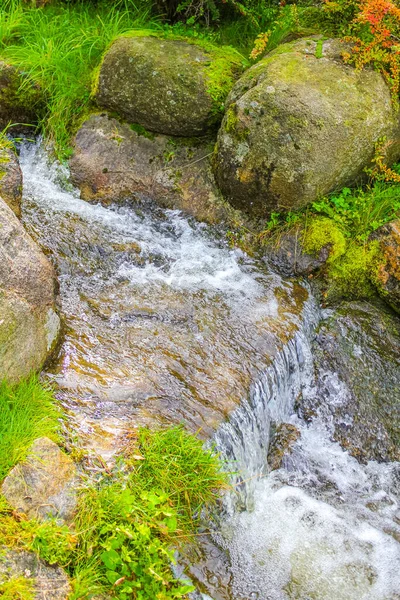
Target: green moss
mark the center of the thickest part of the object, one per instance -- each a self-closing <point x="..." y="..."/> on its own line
<point x="233" y="126"/>
<point x="351" y="275"/>
<point x="140" y="130"/>
<point x="321" y="232"/>
<point x="319" y="48"/>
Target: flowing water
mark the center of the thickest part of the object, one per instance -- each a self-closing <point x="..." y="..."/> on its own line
<point x="164" y="324"/>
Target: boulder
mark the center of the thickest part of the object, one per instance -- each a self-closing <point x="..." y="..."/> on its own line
<point x="300" y="124"/>
<point x="17" y="105"/>
<point x="284" y="436"/>
<point x="357" y="391"/>
<point x="43" y="581"/>
<point x="114" y="162"/>
<point x="387" y="279"/>
<point x="168" y="86"/>
<point x="29" y="324"/>
<point x="10" y="178"/>
<point x="44" y="485"/>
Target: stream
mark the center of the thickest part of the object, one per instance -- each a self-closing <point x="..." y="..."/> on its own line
<point x="163" y="324"/>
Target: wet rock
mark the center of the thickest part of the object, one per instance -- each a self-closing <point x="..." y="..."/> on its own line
<point x="44" y="485"/>
<point x="17" y="105"/>
<point x="357" y="358"/>
<point x="114" y="163"/>
<point x="288" y="257"/>
<point x="29" y="324"/>
<point x="10" y="179"/>
<point x="388" y="276"/>
<point x="298" y="126"/>
<point x="46" y="582"/>
<point x="283" y="438"/>
<point x="168" y="86"/>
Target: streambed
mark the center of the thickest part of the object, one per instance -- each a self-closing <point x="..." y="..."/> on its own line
<point x="165" y="324"/>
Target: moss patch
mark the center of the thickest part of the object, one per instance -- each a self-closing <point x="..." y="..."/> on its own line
<point x="322" y="232"/>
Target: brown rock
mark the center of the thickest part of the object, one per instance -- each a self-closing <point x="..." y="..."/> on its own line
<point x="29" y="324"/>
<point x="283" y="439"/>
<point x="388" y="277"/>
<point x="10" y="179"/>
<point x="44" y="484"/>
<point x="114" y="163"/>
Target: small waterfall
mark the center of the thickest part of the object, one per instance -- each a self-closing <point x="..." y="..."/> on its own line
<point x="243" y="440"/>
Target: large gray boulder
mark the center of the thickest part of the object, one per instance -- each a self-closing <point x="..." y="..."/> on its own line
<point x="10" y="178"/>
<point x="299" y="124"/>
<point x="114" y="163"/>
<point x="43" y="581"/>
<point x="168" y="86"/>
<point x="44" y="484"/>
<point x="29" y="324"/>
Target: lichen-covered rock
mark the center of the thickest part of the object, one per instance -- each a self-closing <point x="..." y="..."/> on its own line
<point x="387" y="279"/>
<point x="44" y="485"/>
<point x="357" y="359"/>
<point x="298" y="125"/>
<point x="43" y="581"/>
<point x="168" y="86"/>
<point x="29" y="324"/>
<point x="10" y="179"/>
<point x="17" y="105"/>
<point x="113" y="163"/>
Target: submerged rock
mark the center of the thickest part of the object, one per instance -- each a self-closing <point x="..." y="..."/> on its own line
<point x="29" y="324"/>
<point x="388" y="276"/>
<point x="16" y="105"/>
<point x="113" y="162"/>
<point x="283" y="438"/>
<point x="45" y="582"/>
<point x="10" y="179"/>
<point x="357" y="358"/>
<point x="168" y="86"/>
<point x="300" y="124"/>
<point x="44" y="485"/>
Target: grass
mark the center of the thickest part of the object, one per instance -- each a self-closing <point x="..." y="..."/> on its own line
<point x="27" y="412"/>
<point x="129" y="524"/>
<point x="58" y="48"/>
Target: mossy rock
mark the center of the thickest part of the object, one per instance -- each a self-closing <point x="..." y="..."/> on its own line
<point x="19" y="102"/>
<point x="168" y="86"/>
<point x="298" y="127"/>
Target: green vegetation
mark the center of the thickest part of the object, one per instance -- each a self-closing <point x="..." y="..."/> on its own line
<point x="344" y="222"/>
<point x="27" y="412"/>
<point x="128" y="524"/>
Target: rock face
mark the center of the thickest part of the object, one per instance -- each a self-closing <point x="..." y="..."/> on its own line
<point x="283" y="439"/>
<point x="298" y="125"/>
<point x="44" y="484"/>
<point x="10" y="179"/>
<point x="29" y="324"/>
<point x="46" y="582"/>
<point x="168" y="86"/>
<point x="112" y="162"/>
<point x="16" y="107"/>
<point x="357" y="357"/>
<point x="288" y="257"/>
<point x="388" y="276"/>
